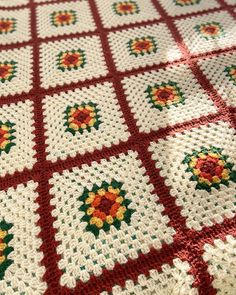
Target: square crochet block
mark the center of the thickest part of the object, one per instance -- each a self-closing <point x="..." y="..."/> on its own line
<point x="109" y="213"/>
<point x="16" y="137"/>
<point x="20" y="243"/>
<point x="207" y="32"/>
<point x="83" y="120"/>
<point x="162" y="98"/>
<point x="142" y="46"/>
<point x="14" y="26"/>
<point x="64" y="18"/>
<point x="117" y="147"/>
<point x="118" y="13"/>
<point x="204" y="176"/>
<point x="223" y="80"/>
<point x="72" y="60"/>
<point x="16" y="71"/>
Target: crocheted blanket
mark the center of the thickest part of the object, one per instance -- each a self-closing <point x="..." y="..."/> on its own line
<point x="117" y="147"/>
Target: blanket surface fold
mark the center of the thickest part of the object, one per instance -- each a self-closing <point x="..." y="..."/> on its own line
<point x="117" y="147"/>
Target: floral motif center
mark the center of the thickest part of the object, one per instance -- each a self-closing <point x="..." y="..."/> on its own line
<point x="210" y="168"/>
<point x="82" y="117"/>
<point x="63" y="18"/>
<point x="7" y="71"/>
<point x="125" y="7"/>
<point x="231" y="73"/>
<point x="73" y="59"/>
<point x="104" y="206"/>
<point x="164" y="95"/>
<point x="7" y="25"/>
<point x="5" y="249"/>
<point x="6" y="136"/>
<point x="141" y="46"/>
<point x="210" y="30"/>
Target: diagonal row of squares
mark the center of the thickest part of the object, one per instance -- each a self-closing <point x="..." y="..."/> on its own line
<point x="106" y="8"/>
<point x="157" y="99"/>
<point x="76" y="17"/>
<point x="134" y="11"/>
<point x="76" y="60"/>
<point x="65" y="18"/>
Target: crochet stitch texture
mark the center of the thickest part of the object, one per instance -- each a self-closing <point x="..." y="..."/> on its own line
<point x="117" y="147"/>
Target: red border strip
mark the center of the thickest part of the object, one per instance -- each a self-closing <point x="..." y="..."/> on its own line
<point x="203" y="280"/>
<point x="227" y="7"/>
<point x="47" y="234"/>
<point x="177" y="221"/>
<point x="12" y="8"/>
<point x="129" y="271"/>
<point x="18" y="177"/>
